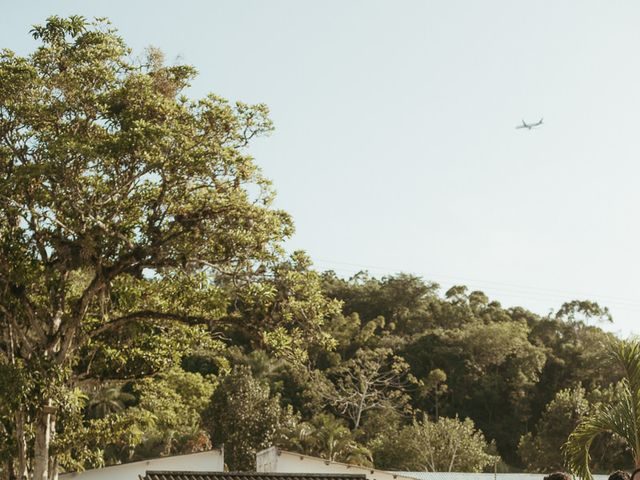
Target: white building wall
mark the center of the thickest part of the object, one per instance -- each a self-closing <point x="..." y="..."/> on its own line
<point x="483" y="476"/>
<point x="274" y="460"/>
<point x="211" y="461"/>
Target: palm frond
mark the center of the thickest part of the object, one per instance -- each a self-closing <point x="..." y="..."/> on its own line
<point x="621" y="418"/>
<point x="628" y="355"/>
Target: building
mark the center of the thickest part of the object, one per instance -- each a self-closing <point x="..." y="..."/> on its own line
<point x="210" y="461"/>
<point x="274" y="460"/>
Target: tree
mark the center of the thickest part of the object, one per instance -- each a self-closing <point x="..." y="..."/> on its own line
<point x="405" y="301"/>
<point x="92" y="443"/>
<point x="327" y="437"/>
<point x="448" y="445"/>
<point x="583" y="310"/>
<point x="435" y="383"/>
<point x="541" y="451"/>
<point x="243" y="416"/>
<point x="122" y="204"/>
<point x="176" y="400"/>
<point x="373" y="379"/>
<point x="107" y="400"/>
<point x="621" y="417"/>
<point x="576" y="354"/>
<point x="284" y="311"/>
<point x="491" y="368"/>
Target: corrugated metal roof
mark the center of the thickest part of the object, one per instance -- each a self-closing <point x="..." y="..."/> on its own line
<point x="175" y="475"/>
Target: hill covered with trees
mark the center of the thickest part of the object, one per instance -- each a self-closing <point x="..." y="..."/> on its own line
<point x="147" y="306"/>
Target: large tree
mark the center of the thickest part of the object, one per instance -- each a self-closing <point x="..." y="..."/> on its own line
<point x="122" y="205"/>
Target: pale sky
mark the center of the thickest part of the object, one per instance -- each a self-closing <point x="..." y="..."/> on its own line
<point x="395" y="147"/>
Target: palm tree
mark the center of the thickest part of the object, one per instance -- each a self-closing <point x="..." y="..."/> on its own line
<point x="327" y="437"/>
<point x="621" y="418"/>
<point x="333" y="440"/>
<point x="108" y="400"/>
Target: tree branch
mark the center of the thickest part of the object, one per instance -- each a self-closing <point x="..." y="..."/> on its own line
<point x="147" y="315"/>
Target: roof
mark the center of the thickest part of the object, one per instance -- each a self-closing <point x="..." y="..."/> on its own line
<point x="176" y="475"/>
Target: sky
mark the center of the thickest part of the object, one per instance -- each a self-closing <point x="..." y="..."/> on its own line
<point x="395" y="147"/>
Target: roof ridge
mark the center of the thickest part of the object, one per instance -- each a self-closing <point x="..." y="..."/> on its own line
<point x="263" y="474"/>
<point x="266" y="475"/>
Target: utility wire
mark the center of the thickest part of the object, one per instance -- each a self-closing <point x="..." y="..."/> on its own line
<point x="501" y="288"/>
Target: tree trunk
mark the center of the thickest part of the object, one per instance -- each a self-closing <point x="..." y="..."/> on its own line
<point x="53" y="467"/>
<point x="361" y="407"/>
<point x="21" y="441"/>
<point x="8" y="472"/>
<point x="454" y="454"/>
<point x="43" y="442"/>
<point x="357" y="420"/>
<point x="53" y="459"/>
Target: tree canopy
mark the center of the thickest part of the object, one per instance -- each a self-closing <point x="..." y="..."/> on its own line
<point x="127" y="210"/>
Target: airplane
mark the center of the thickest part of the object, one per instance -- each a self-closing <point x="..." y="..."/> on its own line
<point x="530" y="125"/>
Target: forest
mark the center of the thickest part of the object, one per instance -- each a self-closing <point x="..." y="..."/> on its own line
<point x="148" y="305"/>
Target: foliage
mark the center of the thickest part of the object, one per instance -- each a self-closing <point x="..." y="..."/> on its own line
<point x="448" y="445"/>
<point x="572" y="310"/>
<point x="621" y="417"/>
<point x="176" y="401"/>
<point x="325" y="436"/>
<point x="542" y="451"/>
<point x="373" y="379"/>
<point x="405" y="301"/>
<point x="284" y="312"/>
<point x="93" y="443"/>
<point x="123" y="202"/>
<point x="435" y="384"/>
<point x="107" y="400"/>
<point x="243" y="416"/>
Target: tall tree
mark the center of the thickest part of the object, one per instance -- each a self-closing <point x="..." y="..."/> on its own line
<point x="122" y="201"/>
<point x="435" y="384"/>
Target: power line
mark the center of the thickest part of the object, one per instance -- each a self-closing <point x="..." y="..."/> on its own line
<point x="502" y="288"/>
